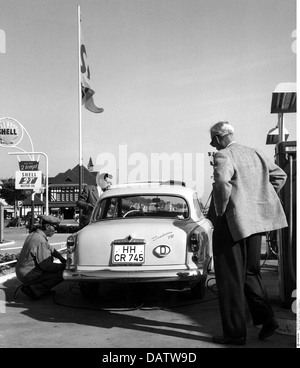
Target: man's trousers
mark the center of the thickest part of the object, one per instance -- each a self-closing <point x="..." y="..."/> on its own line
<point x="42" y="284"/>
<point x="238" y="279"/>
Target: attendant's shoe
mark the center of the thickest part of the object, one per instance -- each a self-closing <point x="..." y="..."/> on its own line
<point x="268" y="329"/>
<point x="223" y="340"/>
<point x="26" y="289"/>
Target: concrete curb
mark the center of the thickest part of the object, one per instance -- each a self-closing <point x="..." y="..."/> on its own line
<point x="8" y="242"/>
<point x="7" y="277"/>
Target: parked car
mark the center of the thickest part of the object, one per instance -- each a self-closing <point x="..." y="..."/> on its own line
<point x="153" y="232"/>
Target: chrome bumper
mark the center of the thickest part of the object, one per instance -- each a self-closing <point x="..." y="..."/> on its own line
<point x="178" y="274"/>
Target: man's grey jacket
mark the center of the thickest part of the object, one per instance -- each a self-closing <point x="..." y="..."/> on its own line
<point x="245" y="189"/>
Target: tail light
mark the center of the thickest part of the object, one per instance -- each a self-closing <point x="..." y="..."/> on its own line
<point x="194" y="242"/>
<point x="198" y="247"/>
<point x="71" y="245"/>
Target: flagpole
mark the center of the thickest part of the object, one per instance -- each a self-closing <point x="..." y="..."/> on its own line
<point x="79" y="102"/>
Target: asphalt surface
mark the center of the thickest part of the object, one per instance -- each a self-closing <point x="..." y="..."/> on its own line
<point x="129" y="316"/>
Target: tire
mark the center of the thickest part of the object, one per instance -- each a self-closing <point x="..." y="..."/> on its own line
<point x="89" y="290"/>
<point x="198" y="291"/>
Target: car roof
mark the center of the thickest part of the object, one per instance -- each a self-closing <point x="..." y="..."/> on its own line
<point x="149" y="188"/>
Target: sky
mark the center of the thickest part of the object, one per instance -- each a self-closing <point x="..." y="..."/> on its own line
<point x="164" y="71"/>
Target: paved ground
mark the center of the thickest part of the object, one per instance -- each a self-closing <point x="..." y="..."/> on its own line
<point x="128" y="317"/>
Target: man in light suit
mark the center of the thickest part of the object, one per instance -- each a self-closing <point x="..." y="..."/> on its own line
<point x="90" y="196"/>
<point x="246" y="206"/>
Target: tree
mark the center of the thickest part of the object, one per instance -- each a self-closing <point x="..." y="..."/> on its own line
<point x="10" y="194"/>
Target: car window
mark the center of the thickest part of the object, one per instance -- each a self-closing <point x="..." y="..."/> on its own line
<point x="150" y="205"/>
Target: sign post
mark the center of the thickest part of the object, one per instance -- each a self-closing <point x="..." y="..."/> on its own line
<point x="31" y="177"/>
<point x="32" y="209"/>
<point x="28" y="180"/>
<point x="29" y="165"/>
<point x="1" y="222"/>
<point x="11" y="134"/>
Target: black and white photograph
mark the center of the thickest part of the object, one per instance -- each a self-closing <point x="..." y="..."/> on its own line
<point x="148" y="177"/>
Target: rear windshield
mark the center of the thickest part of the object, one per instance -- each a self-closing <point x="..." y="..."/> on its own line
<point x="163" y="206"/>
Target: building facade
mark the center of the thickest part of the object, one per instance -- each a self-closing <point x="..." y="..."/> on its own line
<point x="64" y="190"/>
<point x="63" y="194"/>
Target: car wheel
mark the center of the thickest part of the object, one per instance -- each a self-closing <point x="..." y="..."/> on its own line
<point x="89" y="290"/>
<point x="198" y="290"/>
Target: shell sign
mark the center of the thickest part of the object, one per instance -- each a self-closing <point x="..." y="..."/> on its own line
<point x="11" y="132"/>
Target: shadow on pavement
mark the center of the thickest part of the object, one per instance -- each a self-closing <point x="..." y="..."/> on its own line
<point x="121" y="315"/>
<point x="114" y="308"/>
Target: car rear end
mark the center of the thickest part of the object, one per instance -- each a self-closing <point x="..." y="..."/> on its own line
<point x="136" y="250"/>
<point x="153" y="245"/>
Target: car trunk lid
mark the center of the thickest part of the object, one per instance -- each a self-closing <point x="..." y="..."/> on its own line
<point x="134" y="242"/>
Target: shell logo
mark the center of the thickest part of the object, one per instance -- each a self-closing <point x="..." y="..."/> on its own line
<point x="11" y="132"/>
<point x="162" y="250"/>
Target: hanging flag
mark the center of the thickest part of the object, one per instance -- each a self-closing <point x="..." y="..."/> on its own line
<point x="86" y="90"/>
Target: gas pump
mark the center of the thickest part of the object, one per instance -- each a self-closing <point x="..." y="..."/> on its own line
<point x="284" y="101"/>
<point x="286" y="159"/>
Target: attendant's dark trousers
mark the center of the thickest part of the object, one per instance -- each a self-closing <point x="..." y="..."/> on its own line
<point x="46" y="282"/>
<point x="238" y="279"/>
<point x="42" y="284"/>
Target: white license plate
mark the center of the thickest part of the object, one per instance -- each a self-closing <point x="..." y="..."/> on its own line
<point x="128" y="254"/>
